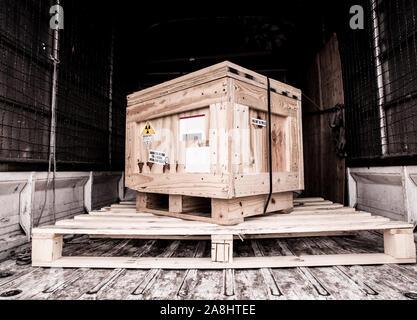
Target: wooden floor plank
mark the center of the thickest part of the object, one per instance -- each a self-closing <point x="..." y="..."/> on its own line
<point x="268" y="276"/>
<point x="188" y="282"/>
<point x="92" y="294"/>
<point x="152" y="274"/>
<point x="334" y="279"/>
<point x="119" y="283"/>
<point x="388" y="286"/>
<point x="316" y="246"/>
<point x="35" y="280"/>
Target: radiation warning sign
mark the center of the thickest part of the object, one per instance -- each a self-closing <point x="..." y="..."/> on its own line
<point x="148" y="130"/>
<point x="147" y="134"/>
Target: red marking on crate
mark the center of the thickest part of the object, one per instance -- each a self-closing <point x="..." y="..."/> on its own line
<point x="190" y="117"/>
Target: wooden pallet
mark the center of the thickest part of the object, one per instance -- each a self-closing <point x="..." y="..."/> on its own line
<point x="311" y="217"/>
<point x="225" y="212"/>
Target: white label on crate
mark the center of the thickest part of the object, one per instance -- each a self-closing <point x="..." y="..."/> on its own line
<point x="147" y="134"/>
<point x="193" y="128"/>
<point x="259" y="122"/>
<point x="147" y="139"/>
<point x="158" y="157"/>
<point x="197" y="160"/>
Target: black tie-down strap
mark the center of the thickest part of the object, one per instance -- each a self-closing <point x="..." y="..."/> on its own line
<point x="269" y="145"/>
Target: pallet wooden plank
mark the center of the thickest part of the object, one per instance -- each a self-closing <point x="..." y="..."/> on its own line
<point x="235" y="230"/>
<point x="133" y="212"/>
<point x="318" y="211"/>
<point x="104" y="223"/>
<point x="122" y="206"/>
<point x="321" y="207"/>
<point x="319" y="203"/>
<point x="307" y="206"/>
<point x="222" y="248"/>
<point x="301" y="203"/>
<point x="46" y="247"/>
<point x="176" y="223"/>
<point x="238" y="263"/>
<point x="400" y="243"/>
<point x="306" y="200"/>
<point x="278" y="218"/>
<point x="236" y="237"/>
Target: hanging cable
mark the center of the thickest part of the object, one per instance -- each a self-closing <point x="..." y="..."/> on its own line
<point x="52" y="142"/>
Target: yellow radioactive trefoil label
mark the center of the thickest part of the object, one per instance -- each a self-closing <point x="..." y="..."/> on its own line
<point x="148" y="130"/>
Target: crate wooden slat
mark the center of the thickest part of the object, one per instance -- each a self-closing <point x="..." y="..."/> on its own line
<point x="208" y="75"/>
<point x="398" y="238"/>
<point x="227" y="97"/>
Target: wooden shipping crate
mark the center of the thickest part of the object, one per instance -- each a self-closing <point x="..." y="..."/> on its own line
<point x="197" y="146"/>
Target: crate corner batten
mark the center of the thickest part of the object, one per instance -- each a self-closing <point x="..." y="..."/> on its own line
<point x="197" y="146"/>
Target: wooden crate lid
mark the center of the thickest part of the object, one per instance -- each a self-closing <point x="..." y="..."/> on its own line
<point x="218" y="71"/>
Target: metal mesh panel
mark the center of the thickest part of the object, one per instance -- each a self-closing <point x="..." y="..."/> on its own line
<point x="25" y="80"/>
<point x="83" y="98"/>
<point x="380" y="80"/>
<point x="90" y="116"/>
<point x="118" y="121"/>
